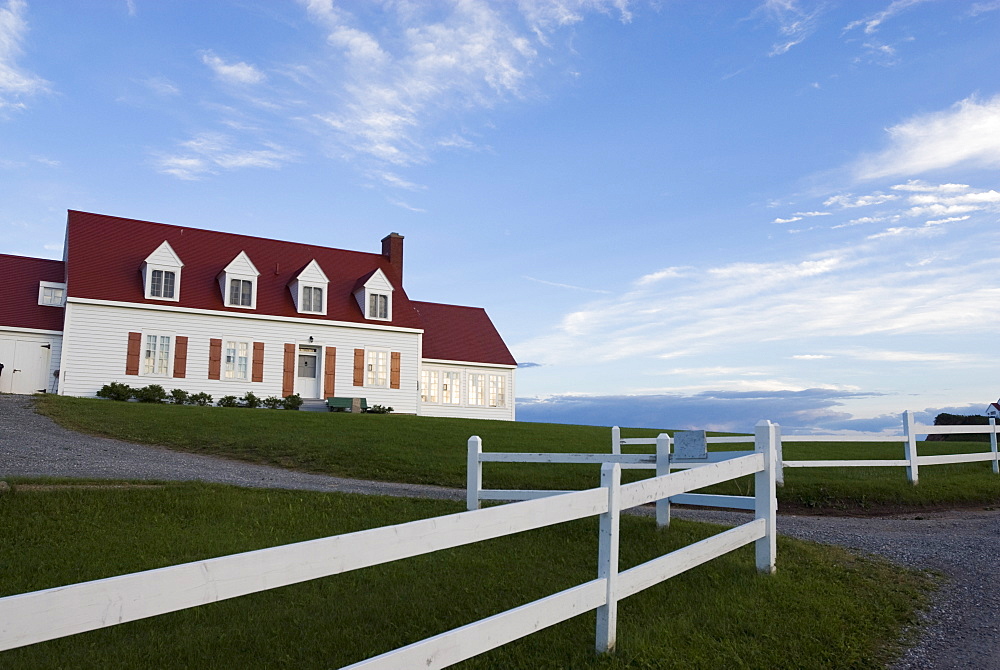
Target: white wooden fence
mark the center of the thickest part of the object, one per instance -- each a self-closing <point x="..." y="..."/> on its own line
<point x="30" y="618"/>
<point x="911" y="460"/>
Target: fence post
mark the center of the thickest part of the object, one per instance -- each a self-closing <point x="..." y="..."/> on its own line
<point x="993" y="445"/>
<point x="663" y="468"/>
<point x="765" y="500"/>
<point x="911" y="447"/>
<point x="616" y="440"/>
<point x="779" y="469"/>
<point x="607" y="558"/>
<point x="474" y="473"/>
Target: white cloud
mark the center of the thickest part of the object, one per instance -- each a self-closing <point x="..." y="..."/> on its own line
<point x="659" y="275"/>
<point x="872" y="23"/>
<point x="569" y="286"/>
<point x="848" y="201"/>
<point x="810" y="357"/>
<point x="209" y="153"/>
<point x="238" y="73"/>
<point x="16" y="83"/>
<point x="795" y="24"/>
<point x="790" y="219"/>
<point x="967" y="135"/>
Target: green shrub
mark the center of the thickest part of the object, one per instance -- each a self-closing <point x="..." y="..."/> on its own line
<point x="179" y="396"/>
<point x="293" y="401"/>
<point x="151" y="393"/>
<point x="228" y="401"/>
<point x="250" y="400"/>
<point x="202" y="399"/>
<point x="379" y="409"/>
<point x="272" y="402"/>
<point x="115" y="391"/>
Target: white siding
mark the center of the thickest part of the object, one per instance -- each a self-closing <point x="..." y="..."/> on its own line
<point x="97" y="344"/>
<point x="464" y="409"/>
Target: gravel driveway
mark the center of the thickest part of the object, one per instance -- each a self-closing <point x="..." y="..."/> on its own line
<point x="962" y="628"/>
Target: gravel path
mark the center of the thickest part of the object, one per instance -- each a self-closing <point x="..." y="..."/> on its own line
<point x="32" y="445"/>
<point x="962" y="628"/>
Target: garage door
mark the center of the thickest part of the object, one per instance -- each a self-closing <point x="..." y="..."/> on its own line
<point x="25" y="365"/>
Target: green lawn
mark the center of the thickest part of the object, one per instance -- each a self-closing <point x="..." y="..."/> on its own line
<point x="823" y="609"/>
<point x="427" y="450"/>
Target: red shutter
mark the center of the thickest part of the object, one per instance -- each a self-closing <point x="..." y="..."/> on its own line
<point x="215" y="359"/>
<point x="288" y="371"/>
<point x="132" y="355"/>
<point x="258" y="362"/>
<point x="359" y="367"/>
<point x="180" y="357"/>
<point x="329" y="372"/>
<point x="394" y="370"/>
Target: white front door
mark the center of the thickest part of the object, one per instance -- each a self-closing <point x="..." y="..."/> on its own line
<point x="25" y="365"/>
<point x="307" y="376"/>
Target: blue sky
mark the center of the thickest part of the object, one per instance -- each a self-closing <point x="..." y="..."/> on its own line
<point x="678" y="214"/>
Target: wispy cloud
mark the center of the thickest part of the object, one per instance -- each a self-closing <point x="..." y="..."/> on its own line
<point x="569" y="286"/>
<point x="239" y="73"/>
<point x="870" y="24"/>
<point x="16" y="83"/>
<point x="795" y="23"/>
<point x="966" y="135"/>
<point x="211" y="153"/>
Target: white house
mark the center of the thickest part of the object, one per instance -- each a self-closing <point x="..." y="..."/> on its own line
<point x="148" y="303"/>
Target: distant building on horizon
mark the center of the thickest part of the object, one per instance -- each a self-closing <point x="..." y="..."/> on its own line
<point x="149" y="303"/>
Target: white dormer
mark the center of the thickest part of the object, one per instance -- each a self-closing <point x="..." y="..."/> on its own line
<point x="161" y="274"/>
<point x="374" y="296"/>
<point x="238" y="282"/>
<point x="52" y="294"/>
<point x="309" y="289"/>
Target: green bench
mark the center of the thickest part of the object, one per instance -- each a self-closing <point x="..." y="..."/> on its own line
<point x="345" y="404"/>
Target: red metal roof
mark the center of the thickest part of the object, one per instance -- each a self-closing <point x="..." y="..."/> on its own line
<point x="19" y="297"/>
<point x="455" y="333"/>
<point x="105" y="256"/>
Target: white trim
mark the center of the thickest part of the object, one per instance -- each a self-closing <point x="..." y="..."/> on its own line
<point x="33" y="331"/>
<point x="441" y="361"/>
<point x="143" y="344"/>
<point x="238" y="315"/>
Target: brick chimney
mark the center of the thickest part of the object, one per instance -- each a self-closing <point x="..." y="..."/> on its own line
<point x="392" y="248"/>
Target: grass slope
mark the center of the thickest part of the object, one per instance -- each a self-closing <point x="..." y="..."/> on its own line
<point x="823" y="609"/>
<point x="428" y="450"/>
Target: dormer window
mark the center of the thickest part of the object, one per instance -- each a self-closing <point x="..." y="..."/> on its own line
<point x="240" y="292"/>
<point x="52" y="294"/>
<point x="374" y="296"/>
<point x="161" y="274"/>
<point x="308" y="289"/>
<point x="238" y="282"/>
<point x="378" y="306"/>
<point x="162" y="284"/>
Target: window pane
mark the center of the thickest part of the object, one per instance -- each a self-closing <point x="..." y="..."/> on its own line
<point x="245" y="299"/>
<point x="230" y="360"/>
<point x="149" y="358"/>
<point x="307" y="299"/>
<point x="168" y="284"/>
<point x="317" y="294"/>
<point x="234" y="292"/>
<point x="164" y="359"/>
<point x="156" y="284"/>
<point x="496" y="397"/>
<point x="242" y="359"/>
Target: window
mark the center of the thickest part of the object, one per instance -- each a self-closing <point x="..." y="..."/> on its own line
<point x="312" y="299"/>
<point x="378" y="306"/>
<point x="429" y="385"/>
<point x="240" y="293"/>
<point x="377" y="368"/>
<point x="161" y="274"/>
<point x="451" y="385"/>
<point x="497" y="396"/>
<point x="156" y="355"/>
<point x="161" y="284"/>
<point x="237" y="359"/>
<point x="51" y="293"/>
<point x="477" y="389"/>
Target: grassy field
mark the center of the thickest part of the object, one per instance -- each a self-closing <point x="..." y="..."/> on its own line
<point x="823" y="609"/>
<point x="427" y="450"/>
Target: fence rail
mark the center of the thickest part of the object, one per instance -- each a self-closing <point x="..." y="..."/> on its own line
<point x="52" y="613"/>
